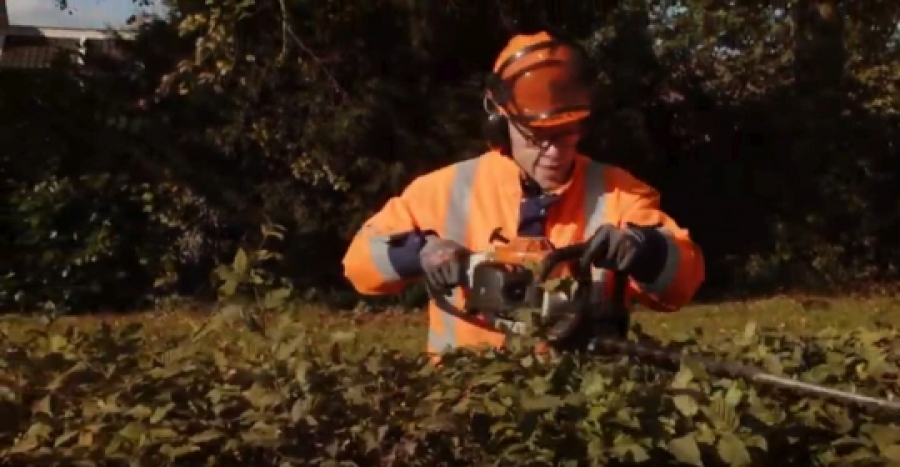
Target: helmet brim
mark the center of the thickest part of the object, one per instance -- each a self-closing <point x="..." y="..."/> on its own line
<point x="553" y="119"/>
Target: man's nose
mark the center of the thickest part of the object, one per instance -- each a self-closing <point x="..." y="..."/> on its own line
<point x="550" y="149"/>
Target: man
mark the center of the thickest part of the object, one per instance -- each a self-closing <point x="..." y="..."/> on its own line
<point x="533" y="182"/>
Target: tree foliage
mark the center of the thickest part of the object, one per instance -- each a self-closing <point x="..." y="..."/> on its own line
<point x="770" y="128"/>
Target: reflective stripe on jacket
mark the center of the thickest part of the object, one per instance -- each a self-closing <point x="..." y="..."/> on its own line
<point x="468" y="200"/>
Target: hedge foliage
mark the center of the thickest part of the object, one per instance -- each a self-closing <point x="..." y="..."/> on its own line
<point x="220" y="394"/>
<point x="770" y="128"/>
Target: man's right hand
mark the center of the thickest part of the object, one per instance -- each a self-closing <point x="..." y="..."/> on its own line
<point x="444" y="263"/>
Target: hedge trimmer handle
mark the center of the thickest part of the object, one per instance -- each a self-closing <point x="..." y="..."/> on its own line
<point x="590" y="317"/>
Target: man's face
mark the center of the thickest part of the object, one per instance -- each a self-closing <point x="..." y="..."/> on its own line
<point x="546" y="154"/>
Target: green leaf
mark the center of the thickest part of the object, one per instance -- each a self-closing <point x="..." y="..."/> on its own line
<point x="686" y="405"/>
<point x="163" y="434"/>
<point x="884" y="436"/>
<point x="685" y="450"/>
<point x="632" y="453"/>
<point x="240" y="262"/>
<point x="228" y="288"/>
<point x="276" y="298"/>
<point x="683" y="378"/>
<point x="749" y="331"/>
<point x="26" y="444"/>
<point x="207" y="436"/>
<point x="733" y="451"/>
<point x="891" y="453"/>
<point x="161" y="412"/>
<point x="540" y="403"/>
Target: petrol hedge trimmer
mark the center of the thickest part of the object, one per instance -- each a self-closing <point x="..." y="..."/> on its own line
<point x="526" y="274"/>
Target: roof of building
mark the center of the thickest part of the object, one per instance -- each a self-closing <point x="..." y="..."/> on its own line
<point x="34" y="48"/>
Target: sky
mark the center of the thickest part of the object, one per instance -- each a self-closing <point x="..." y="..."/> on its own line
<point x="105" y="13"/>
<point x="81" y="14"/>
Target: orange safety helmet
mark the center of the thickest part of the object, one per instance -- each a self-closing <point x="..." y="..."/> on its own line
<point x="541" y="81"/>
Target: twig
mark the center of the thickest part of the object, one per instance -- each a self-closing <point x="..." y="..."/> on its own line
<point x="285" y="29"/>
<point x="334" y="82"/>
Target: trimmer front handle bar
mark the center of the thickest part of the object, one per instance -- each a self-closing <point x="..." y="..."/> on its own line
<point x="593" y="315"/>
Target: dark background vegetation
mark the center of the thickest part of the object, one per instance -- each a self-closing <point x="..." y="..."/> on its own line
<point x="771" y="129"/>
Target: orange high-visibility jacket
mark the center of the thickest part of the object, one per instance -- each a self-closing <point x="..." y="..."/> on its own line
<point x="468" y="200"/>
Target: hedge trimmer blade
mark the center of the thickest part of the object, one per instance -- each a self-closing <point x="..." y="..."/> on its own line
<point x="604" y="330"/>
<point x="739" y="371"/>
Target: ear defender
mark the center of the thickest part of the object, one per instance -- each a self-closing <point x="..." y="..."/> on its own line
<point x="495" y="128"/>
<point x="496" y="133"/>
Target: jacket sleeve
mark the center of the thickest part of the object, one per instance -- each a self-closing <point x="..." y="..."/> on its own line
<point x="681" y="263"/>
<point x="383" y="256"/>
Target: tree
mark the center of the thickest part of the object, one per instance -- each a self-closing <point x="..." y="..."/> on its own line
<point x="769" y="128"/>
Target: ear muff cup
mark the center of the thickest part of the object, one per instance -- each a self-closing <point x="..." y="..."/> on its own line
<point x="495" y="127"/>
<point x="496" y="132"/>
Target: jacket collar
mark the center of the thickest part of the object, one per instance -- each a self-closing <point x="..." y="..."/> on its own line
<point x="507" y="173"/>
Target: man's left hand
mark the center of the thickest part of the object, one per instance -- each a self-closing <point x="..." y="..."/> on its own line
<point x="636" y="251"/>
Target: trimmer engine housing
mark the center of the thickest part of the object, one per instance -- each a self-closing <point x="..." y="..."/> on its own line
<point x="503" y="281"/>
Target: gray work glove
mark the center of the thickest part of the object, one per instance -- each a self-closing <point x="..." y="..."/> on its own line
<point x="639" y="252"/>
<point x="444" y="263"/>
